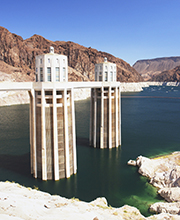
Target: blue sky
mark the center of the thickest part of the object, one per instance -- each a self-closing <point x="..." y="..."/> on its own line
<point x="128" y="29"/>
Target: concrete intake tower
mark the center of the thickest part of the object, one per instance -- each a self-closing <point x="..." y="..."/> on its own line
<point x="105" y="118"/>
<point x="52" y="115"/>
<point x="52" y="120"/>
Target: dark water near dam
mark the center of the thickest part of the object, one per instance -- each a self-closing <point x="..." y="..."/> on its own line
<point x="150" y="126"/>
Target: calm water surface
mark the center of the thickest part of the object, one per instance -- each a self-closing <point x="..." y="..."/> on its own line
<point x="150" y="126"/>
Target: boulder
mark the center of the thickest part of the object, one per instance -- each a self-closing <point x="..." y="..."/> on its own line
<point x="170" y="194"/>
<point x="164" y="207"/>
<point x="146" y="166"/>
<point x="132" y="163"/>
<point x="163" y="172"/>
<point x="164" y="216"/>
<point x="101" y="202"/>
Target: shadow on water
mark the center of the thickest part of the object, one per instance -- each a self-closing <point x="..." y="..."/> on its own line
<point x="82" y="141"/>
<point x="19" y="164"/>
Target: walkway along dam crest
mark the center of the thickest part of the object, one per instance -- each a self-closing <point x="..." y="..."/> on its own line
<point x="52" y="114"/>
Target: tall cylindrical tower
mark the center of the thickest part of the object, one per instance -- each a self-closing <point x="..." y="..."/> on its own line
<point x="105" y="119"/>
<point x="52" y="120"/>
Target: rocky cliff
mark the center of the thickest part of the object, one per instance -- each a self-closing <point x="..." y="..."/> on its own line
<point x="164" y="173"/>
<point x="150" y="68"/>
<point x="18" y="56"/>
<point x="168" y="76"/>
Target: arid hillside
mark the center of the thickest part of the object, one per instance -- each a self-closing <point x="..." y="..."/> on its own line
<point x="149" y="69"/>
<point x="17" y="56"/>
<point x="168" y="76"/>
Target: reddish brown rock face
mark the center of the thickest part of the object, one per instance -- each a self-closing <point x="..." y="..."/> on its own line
<point x="169" y="76"/>
<point x="20" y="54"/>
<point x="163" y="69"/>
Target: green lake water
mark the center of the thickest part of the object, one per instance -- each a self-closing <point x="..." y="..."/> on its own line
<point x="150" y="126"/>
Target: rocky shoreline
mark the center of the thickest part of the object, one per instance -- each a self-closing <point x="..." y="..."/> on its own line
<point x="20" y="203"/>
<point x="137" y="87"/>
<point x="164" y="174"/>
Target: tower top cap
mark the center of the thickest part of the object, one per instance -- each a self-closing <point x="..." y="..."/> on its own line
<point x="51" y="49"/>
<point x="105" y="59"/>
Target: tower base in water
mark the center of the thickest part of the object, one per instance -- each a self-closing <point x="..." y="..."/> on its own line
<point x="105" y="116"/>
<point x="52" y="132"/>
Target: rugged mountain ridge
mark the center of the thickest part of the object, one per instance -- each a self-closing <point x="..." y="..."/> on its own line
<point x="168" y="76"/>
<point x="150" y="68"/>
<point x="20" y="54"/>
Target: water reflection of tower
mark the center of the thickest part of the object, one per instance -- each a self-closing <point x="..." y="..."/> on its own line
<point x="105" y="119"/>
<point x="53" y="146"/>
